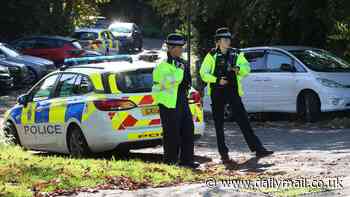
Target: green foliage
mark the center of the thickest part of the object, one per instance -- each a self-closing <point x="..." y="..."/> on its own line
<point x="262" y="22"/>
<point x="58" y="17"/>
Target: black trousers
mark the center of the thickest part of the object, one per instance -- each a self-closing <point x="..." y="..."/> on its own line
<point x="225" y="95"/>
<point x="178" y="133"/>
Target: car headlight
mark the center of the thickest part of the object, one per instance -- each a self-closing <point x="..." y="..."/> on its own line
<point x="4" y="69"/>
<point x="330" y="83"/>
<point x="14" y="68"/>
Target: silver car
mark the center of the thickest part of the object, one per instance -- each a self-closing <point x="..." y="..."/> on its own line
<point x="24" y="68"/>
<point x="295" y="79"/>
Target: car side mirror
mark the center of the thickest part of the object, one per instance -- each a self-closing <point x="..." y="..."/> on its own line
<point x="287" y="68"/>
<point x="23" y="99"/>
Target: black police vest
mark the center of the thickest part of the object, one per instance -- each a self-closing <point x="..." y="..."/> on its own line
<point x="223" y="63"/>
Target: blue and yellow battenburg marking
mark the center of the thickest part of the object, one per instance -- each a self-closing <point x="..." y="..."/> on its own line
<point x="55" y="112"/>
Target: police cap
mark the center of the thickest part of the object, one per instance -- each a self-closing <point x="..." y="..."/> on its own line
<point x="223" y="32"/>
<point x="175" y="39"/>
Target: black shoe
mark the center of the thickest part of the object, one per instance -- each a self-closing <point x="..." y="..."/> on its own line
<point x="226" y="159"/>
<point x="192" y="165"/>
<point x="263" y="153"/>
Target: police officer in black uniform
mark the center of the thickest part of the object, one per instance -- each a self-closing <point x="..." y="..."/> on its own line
<point x="225" y="90"/>
<point x="177" y="123"/>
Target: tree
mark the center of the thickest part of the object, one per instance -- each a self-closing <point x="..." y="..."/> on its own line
<point x="58" y="17"/>
<point x="262" y="22"/>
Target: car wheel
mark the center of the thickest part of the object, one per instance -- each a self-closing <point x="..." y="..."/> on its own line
<point x="31" y="77"/>
<point x="11" y="134"/>
<point x="310" y="107"/>
<point x="77" y="144"/>
<point x="122" y="152"/>
<point x="140" y="45"/>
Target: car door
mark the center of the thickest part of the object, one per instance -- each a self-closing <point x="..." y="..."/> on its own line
<point x="279" y="94"/>
<point x="114" y="46"/>
<point x="35" y="113"/>
<point x="25" y="46"/>
<point x="58" y="107"/>
<point x="46" y="48"/>
<point x="106" y="42"/>
<point x="252" y="84"/>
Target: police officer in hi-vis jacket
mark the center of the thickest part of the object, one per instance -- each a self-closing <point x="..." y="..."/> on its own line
<point x="223" y="69"/>
<point x="171" y="83"/>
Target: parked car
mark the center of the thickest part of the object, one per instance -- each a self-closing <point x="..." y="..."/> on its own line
<point x="102" y="22"/>
<point x="19" y="72"/>
<point x="6" y="81"/>
<point x="55" y="48"/>
<point x="100" y="40"/>
<point x="129" y="35"/>
<point x="295" y="79"/>
<point x="36" y="67"/>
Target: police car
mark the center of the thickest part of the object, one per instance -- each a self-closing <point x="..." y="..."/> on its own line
<point x="92" y="108"/>
<point x="100" y="40"/>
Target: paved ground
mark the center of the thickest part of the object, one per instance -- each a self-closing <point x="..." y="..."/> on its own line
<point x="303" y="150"/>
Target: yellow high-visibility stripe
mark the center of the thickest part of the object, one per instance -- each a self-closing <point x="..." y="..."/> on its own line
<point x="28" y="110"/>
<point x="136" y="99"/>
<point x="145" y="135"/>
<point x="57" y="111"/>
<point x="113" y="84"/>
<point x="88" y="111"/>
<point x="118" y="119"/>
<point x="142" y="123"/>
<point x="199" y="113"/>
<point x="97" y="81"/>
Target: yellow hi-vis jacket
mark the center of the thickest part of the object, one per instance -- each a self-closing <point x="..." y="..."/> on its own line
<point x="166" y="80"/>
<point x="208" y="66"/>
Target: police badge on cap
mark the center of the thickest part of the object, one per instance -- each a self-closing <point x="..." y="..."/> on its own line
<point x="223" y="32"/>
<point x="175" y="40"/>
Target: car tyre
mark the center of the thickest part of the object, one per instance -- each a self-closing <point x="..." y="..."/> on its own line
<point x="11" y="134"/>
<point x="77" y="144"/>
<point x="310" y="107"/>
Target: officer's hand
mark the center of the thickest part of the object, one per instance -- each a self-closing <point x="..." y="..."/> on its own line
<point x="223" y="82"/>
<point x="236" y="69"/>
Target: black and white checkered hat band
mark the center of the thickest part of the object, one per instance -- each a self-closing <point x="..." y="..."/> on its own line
<point x="223" y="35"/>
<point x="175" y="42"/>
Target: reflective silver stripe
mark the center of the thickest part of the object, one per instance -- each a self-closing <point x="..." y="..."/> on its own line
<point x="223" y="35"/>
<point x="179" y="42"/>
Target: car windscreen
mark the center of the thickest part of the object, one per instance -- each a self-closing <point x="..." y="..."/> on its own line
<point x="321" y="60"/>
<point x="8" y="50"/>
<point x="120" y="29"/>
<point x="85" y="35"/>
<point x="138" y="81"/>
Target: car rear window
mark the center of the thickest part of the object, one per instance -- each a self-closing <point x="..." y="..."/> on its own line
<point x="138" y="81"/>
<point x="85" y="35"/>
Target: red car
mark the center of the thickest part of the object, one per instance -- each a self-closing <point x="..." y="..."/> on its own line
<point x="54" y="48"/>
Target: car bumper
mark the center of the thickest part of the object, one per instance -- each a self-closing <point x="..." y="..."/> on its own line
<point x="105" y="138"/>
<point x="335" y="100"/>
<point x="6" y="82"/>
<point x="125" y="44"/>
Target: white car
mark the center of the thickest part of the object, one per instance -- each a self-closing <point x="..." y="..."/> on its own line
<point x="295" y="79"/>
<point x="92" y="108"/>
